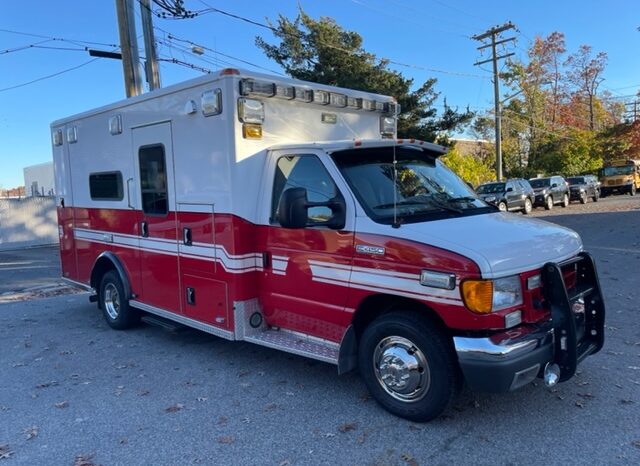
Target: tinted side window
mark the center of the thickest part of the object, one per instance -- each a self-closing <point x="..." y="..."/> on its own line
<point x="153" y="180"/>
<point x="304" y="171"/>
<point x="106" y="186"/>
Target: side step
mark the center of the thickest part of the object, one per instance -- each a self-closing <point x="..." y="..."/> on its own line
<point x="161" y="322"/>
<point x="295" y="343"/>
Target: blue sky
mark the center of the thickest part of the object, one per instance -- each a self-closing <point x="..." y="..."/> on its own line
<point x="430" y="36"/>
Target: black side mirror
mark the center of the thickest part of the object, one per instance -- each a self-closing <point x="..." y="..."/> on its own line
<point x="293" y="210"/>
<point x="554" y="185"/>
<point x="509" y="189"/>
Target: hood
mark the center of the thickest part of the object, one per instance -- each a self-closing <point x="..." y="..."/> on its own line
<point x="539" y="190"/>
<point x="500" y="243"/>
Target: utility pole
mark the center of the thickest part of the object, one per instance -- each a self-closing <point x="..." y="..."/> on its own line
<point x="632" y="114"/>
<point x="493" y="33"/>
<point x="129" y="48"/>
<point x="151" y="65"/>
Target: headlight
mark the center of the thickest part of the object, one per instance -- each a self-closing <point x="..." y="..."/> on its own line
<point x="485" y="296"/>
<point x="490" y="199"/>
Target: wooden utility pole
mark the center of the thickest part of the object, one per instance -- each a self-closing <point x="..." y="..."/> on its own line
<point x="493" y="34"/>
<point x="129" y="48"/>
<point x="633" y="114"/>
<point x="151" y="65"/>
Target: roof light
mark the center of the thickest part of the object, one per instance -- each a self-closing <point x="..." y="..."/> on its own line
<point x="369" y="105"/>
<point x="285" y="92"/>
<point x="354" y="102"/>
<point x="115" y="124"/>
<point x="387" y="127"/>
<point x="321" y="97"/>
<point x="303" y="95"/>
<point x="72" y="135"/>
<point x="57" y="137"/>
<point x="337" y="100"/>
<point x="211" y="102"/>
<point x="261" y="88"/>
<point x="250" y="110"/>
<point x="229" y="71"/>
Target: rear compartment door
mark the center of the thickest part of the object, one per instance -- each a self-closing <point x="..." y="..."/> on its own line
<point x="157" y="226"/>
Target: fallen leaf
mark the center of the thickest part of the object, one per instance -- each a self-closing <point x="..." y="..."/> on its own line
<point x="84" y="460"/>
<point x="223" y="420"/>
<point x="285" y="463"/>
<point x="202" y="398"/>
<point x="5" y="451"/>
<point x="175" y="408"/>
<point x="144" y="392"/>
<point x="347" y="427"/>
<point x="587" y="396"/>
<point x="626" y="401"/>
<point x="124" y="441"/>
<point x="635" y="443"/>
<point x="243" y="373"/>
<point x="227" y="440"/>
<point x="31" y="432"/>
<point x="51" y="383"/>
<point x="364" y="397"/>
<point x="410" y="460"/>
<point x="579" y="404"/>
<point x="329" y="435"/>
<point x="414" y="428"/>
<point x="62" y="404"/>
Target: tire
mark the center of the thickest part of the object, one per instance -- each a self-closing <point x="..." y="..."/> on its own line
<point x="583" y="198"/>
<point x="565" y="200"/>
<point x="632" y="191"/>
<point x="548" y="203"/>
<point x="596" y="197"/>
<point x="502" y="206"/>
<point x="406" y="341"/>
<point x="528" y="206"/>
<point x="114" y="304"/>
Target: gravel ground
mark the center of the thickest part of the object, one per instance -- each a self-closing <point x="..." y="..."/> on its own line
<point x="73" y="391"/>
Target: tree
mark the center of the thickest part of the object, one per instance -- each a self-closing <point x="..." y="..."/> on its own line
<point x="322" y="51"/>
<point x="471" y="169"/>
<point x="585" y="73"/>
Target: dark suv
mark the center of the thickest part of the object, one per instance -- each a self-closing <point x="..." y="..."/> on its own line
<point x="550" y="191"/>
<point x="514" y="194"/>
<point x="581" y="188"/>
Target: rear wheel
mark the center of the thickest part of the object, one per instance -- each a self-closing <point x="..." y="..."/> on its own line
<point x="502" y="206"/>
<point x="565" y="200"/>
<point x="408" y="366"/>
<point x="548" y="203"/>
<point x="528" y="206"/>
<point x="114" y="303"/>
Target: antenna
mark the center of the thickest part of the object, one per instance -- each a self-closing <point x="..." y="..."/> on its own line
<point x="395" y="187"/>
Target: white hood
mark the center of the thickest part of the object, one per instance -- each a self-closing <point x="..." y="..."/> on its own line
<point x="500" y="243"/>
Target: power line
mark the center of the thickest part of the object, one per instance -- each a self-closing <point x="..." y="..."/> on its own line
<point x="42" y="78"/>
<point x="50" y="38"/>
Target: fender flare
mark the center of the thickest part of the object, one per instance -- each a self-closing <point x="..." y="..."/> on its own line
<point x="99" y="266"/>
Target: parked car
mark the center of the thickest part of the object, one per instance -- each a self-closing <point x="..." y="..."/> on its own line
<point x="550" y="191"/>
<point x="582" y="188"/>
<point x="510" y="195"/>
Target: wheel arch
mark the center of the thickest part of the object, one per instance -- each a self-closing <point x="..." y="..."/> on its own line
<point x="369" y="309"/>
<point x="105" y="262"/>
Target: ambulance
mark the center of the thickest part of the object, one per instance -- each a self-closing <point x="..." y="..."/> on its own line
<point x="288" y="214"/>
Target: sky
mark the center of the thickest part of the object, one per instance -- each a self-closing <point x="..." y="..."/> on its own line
<point x="426" y="38"/>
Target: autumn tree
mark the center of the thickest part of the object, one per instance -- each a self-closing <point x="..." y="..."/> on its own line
<point x="322" y="51"/>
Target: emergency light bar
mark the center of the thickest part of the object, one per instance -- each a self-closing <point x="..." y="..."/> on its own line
<point x="257" y="88"/>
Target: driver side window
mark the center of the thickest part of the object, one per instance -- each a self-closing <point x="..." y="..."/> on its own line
<point x="303" y="171"/>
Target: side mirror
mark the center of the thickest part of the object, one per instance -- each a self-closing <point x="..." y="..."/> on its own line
<point x="509" y="189"/>
<point x="293" y="210"/>
<point x="554" y="185"/>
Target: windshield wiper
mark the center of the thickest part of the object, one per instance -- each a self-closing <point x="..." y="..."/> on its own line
<point x="462" y="199"/>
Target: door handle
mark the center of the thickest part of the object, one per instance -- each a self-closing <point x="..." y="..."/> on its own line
<point x="129" y="180"/>
<point x="144" y="229"/>
<point x="186" y="236"/>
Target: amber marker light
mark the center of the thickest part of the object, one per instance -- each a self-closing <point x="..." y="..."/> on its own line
<point x="252" y="131"/>
<point x="478" y="295"/>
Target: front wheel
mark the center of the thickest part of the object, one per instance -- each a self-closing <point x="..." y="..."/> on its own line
<point x="565" y="200"/>
<point x="408" y="366"/>
<point x="502" y="206"/>
<point x="114" y="303"/>
<point x="528" y="206"/>
<point x="548" y="203"/>
<point x="596" y="196"/>
<point x="583" y="198"/>
<point x="632" y="191"/>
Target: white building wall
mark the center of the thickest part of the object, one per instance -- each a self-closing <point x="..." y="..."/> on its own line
<point x="27" y="222"/>
<point x="38" y="180"/>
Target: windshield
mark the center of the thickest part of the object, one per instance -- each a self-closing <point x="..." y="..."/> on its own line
<point x="540" y="182"/>
<point x="490" y="188"/>
<point x="575" y="180"/>
<point x="613" y="171"/>
<point x="424" y="189"/>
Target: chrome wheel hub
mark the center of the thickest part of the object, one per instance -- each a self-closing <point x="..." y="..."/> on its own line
<point x="112" y="301"/>
<point x="401" y="369"/>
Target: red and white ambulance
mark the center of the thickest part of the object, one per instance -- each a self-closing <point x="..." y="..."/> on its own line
<point x="287" y="214"/>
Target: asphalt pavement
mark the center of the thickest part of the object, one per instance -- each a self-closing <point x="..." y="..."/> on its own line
<point x="73" y="391"/>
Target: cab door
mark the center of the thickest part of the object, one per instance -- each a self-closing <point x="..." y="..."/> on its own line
<point x="304" y="285"/>
<point x="153" y="154"/>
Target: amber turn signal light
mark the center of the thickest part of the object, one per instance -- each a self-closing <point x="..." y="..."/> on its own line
<point x="478" y="295"/>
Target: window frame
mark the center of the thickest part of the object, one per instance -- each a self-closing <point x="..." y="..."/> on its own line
<point x="119" y="183"/>
<point x="166" y="181"/>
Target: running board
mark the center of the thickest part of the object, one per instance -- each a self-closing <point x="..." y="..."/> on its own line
<point x="296" y="343"/>
<point x="161" y="322"/>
